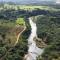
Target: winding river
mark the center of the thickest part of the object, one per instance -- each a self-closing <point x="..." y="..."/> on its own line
<point x="33" y="51"/>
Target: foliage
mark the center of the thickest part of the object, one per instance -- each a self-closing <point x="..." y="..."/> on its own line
<point x="49" y="27"/>
<point x="20" y="21"/>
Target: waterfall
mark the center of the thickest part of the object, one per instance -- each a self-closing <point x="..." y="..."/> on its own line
<point x="33" y="51"/>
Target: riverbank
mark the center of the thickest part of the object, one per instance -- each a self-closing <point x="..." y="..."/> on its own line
<point x="33" y="50"/>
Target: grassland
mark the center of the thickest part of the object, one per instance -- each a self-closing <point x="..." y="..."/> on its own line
<point x="29" y="7"/>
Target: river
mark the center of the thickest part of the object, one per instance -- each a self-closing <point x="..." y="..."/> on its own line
<point x="33" y="51"/>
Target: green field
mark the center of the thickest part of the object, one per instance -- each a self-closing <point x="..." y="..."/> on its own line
<point x="29" y="7"/>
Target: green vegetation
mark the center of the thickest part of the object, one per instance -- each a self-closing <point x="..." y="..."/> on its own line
<point x="7" y="23"/>
<point x="49" y="30"/>
<point x="13" y="18"/>
<point x="9" y="30"/>
<point x="8" y="36"/>
<point x="29" y="7"/>
<point x="20" y="21"/>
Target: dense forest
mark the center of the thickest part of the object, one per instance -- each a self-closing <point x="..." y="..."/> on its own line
<point x="13" y="37"/>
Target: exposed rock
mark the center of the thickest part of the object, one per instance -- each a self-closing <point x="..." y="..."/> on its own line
<point x="40" y="43"/>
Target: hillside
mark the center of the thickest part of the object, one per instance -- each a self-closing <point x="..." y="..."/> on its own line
<point x="15" y="30"/>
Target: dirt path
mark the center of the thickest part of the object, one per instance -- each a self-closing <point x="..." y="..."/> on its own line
<point x="19" y="35"/>
<point x="2" y="58"/>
